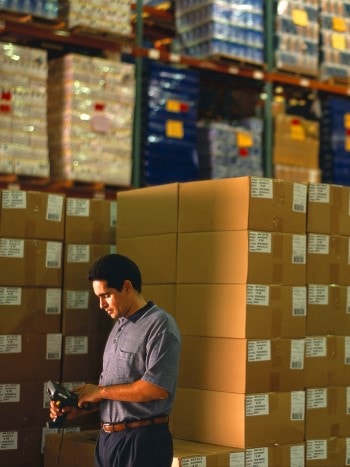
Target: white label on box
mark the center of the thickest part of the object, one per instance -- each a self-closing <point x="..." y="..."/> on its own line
<point x="14" y="199"/>
<point x="8" y="440"/>
<point x="348" y="400"/>
<point x="299" y="301"/>
<point x="237" y="459"/>
<point x="53" y="346"/>
<point x="316" y="398"/>
<point x="46" y="399"/>
<point x="259" y="351"/>
<point x="10" y="296"/>
<point x="316" y="346"/>
<point x="258" y="295"/>
<point x="113" y="213"/>
<point x="319" y="192"/>
<point x="113" y="249"/>
<point x="259" y="242"/>
<point x="297" y="352"/>
<point x="197" y="461"/>
<point x="299" y="197"/>
<point x="318" y="244"/>
<point x="54" y="208"/>
<point x="297" y="408"/>
<point x="76" y="345"/>
<point x="78" y="254"/>
<point x="77" y="299"/>
<point x="78" y="207"/>
<point x="11" y="343"/>
<point x="53" y="302"/>
<point x="297" y="456"/>
<point x="261" y="187"/>
<point x="11" y="248"/>
<point x="347" y="350"/>
<point x="257" y="457"/>
<point x="316" y="449"/>
<point x="318" y="294"/>
<point x="347" y="454"/>
<point x="10" y="392"/>
<point x="53" y="255"/>
<point x="257" y="404"/>
<point x="299" y="249"/>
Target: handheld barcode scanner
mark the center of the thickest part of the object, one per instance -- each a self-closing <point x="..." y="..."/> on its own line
<point x="62" y="397"/>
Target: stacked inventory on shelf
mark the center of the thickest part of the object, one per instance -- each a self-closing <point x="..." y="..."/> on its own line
<point x="31" y="252"/>
<point x="335" y="28"/>
<point x="90" y="119"/>
<point x="232" y="29"/>
<point x="297" y="36"/>
<point x="327" y="427"/>
<point x="169" y="147"/>
<point x="48" y="9"/>
<point x="23" y="96"/>
<point x="230" y="150"/>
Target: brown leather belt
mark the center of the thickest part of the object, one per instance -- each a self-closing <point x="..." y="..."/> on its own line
<point x="116" y="427"/>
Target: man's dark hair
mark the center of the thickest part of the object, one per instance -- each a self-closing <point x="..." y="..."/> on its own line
<point x="115" y="269"/>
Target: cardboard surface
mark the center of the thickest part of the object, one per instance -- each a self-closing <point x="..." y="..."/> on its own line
<point x="164" y="295"/>
<point x="241" y="310"/>
<point x="242" y="203"/>
<point x="325" y="208"/>
<point x="239" y="257"/>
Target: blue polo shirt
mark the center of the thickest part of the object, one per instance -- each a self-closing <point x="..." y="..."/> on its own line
<point x="144" y="346"/>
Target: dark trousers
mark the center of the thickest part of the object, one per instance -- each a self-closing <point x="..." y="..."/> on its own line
<point x="148" y="446"/>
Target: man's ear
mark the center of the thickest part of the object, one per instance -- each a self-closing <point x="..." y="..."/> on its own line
<point x="127" y="286"/>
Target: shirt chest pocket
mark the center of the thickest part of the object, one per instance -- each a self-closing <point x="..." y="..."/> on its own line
<point x="127" y="368"/>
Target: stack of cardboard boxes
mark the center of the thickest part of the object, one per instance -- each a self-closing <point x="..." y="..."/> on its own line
<point x="31" y="252"/>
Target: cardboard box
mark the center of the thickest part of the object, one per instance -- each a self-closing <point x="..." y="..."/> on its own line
<point x="241" y="310"/>
<point x="82" y="314"/>
<point x="239" y="420"/>
<point x="296" y="141"/>
<point x="240" y="257"/>
<point x="30" y="310"/>
<point x="147" y="211"/>
<point x="31" y="263"/>
<point x="90" y="221"/>
<point x="242" y="365"/>
<point x="327" y="412"/>
<point x="344" y="222"/>
<point x="154" y="254"/>
<point x="77" y="260"/>
<point x="17" y="409"/>
<point x="164" y="295"/>
<point x="32" y="214"/>
<point x="70" y="449"/>
<point x="327" y="310"/>
<point x="26" y="357"/>
<point x="21" y="447"/>
<point x="243" y="203"/>
<point x="327" y="452"/>
<point x="327" y="361"/>
<point x="324" y="208"/>
<point x="297" y="174"/>
<point x="328" y="259"/>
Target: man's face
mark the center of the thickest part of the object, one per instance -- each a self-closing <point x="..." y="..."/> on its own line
<point x="115" y="303"/>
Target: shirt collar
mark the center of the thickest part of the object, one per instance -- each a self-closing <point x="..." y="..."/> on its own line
<point x="136" y="316"/>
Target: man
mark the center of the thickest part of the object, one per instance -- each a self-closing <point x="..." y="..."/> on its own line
<point x="140" y="367"/>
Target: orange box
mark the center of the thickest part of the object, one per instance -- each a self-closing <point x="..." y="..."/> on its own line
<point x="328" y="259"/>
<point x="32" y="263"/>
<point x="164" y="295"/>
<point x="327" y="452"/>
<point x="21" y="447"/>
<point x="324" y="208"/>
<point x="241" y="420"/>
<point x="243" y="203"/>
<point x="240" y="257"/>
<point x="327" y="310"/>
<point x="30" y="310"/>
<point x="327" y="412"/>
<point x="32" y="214"/>
<point x="242" y="365"/>
<point x="246" y="310"/>
<point x="90" y="221"/>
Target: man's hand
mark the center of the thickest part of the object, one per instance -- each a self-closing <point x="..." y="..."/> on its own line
<point x="88" y="393"/>
<point x="57" y="411"/>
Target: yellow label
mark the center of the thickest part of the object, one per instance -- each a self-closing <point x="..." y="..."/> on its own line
<point x="299" y="17"/>
<point x="244" y="140"/>
<point x="347" y="143"/>
<point x="173" y="106"/>
<point x="347" y="121"/>
<point x="338" y="41"/>
<point x="297" y="132"/>
<point x="174" y="129"/>
<point x="339" y="24"/>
